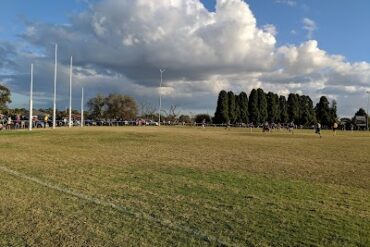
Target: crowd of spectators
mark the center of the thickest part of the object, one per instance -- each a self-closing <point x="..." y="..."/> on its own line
<point x="12" y="122"/>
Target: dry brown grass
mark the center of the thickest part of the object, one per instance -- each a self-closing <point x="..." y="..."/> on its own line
<point x="238" y="187"/>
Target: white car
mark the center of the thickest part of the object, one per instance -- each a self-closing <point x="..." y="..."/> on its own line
<point x="152" y="123"/>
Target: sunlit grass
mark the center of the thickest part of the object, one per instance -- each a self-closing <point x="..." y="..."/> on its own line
<point x="234" y="186"/>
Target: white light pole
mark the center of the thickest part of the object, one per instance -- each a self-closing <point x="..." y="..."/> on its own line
<point x="367" y="117"/>
<point x="160" y="97"/>
<point x="31" y="100"/>
<point x="70" y="94"/>
<point x="55" y="86"/>
<point x="82" y="107"/>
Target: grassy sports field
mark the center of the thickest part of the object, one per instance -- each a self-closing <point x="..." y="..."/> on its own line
<point x="150" y="186"/>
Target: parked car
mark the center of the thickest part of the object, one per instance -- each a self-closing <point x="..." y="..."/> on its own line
<point x="36" y="123"/>
<point x="89" y="122"/>
<point x="152" y="123"/>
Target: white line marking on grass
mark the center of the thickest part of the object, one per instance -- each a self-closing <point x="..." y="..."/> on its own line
<point x="122" y="209"/>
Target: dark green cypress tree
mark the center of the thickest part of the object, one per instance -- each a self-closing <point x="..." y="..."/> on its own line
<point x="243" y="107"/>
<point x="222" y="110"/>
<point x="272" y="107"/>
<point x="237" y="109"/>
<point x="283" y="107"/>
<point x="262" y="105"/>
<point x="300" y="108"/>
<point x="333" y="111"/>
<point x="254" y="115"/>
<point x="232" y="106"/>
<point x="269" y="98"/>
<point x="304" y="110"/>
<point x="293" y="108"/>
<point x="323" y="114"/>
<point x="311" y="111"/>
<point x="277" y="110"/>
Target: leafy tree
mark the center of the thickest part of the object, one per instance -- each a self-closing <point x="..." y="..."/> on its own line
<point x="262" y="105"/>
<point x="200" y="117"/>
<point x="222" y="110"/>
<point x="15" y="111"/>
<point x="4" y="97"/>
<point x="283" y="108"/>
<point x="232" y="106"/>
<point x="120" y="107"/>
<point x="254" y="115"/>
<point x="242" y="102"/>
<point x="293" y="107"/>
<point x="323" y="113"/>
<point x="273" y="107"/>
<point x="48" y="111"/>
<point x="96" y="106"/>
<point x="115" y="106"/>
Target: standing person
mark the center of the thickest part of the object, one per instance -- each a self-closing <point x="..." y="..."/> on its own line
<point x="291" y="127"/>
<point x="228" y="125"/>
<point x="17" y="121"/>
<point x="46" y="118"/>
<point x="1" y="122"/>
<point x="335" y="127"/>
<point x="266" y="127"/>
<point x="203" y="123"/>
<point x="9" y="123"/>
<point x="23" y="123"/>
<point x="318" y="129"/>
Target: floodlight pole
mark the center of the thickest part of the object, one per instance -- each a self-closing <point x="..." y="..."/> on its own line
<point x="160" y="97"/>
<point x="82" y="107"/>
<point x="367" y="117"/>
<point x="55" y="86"/>
<point x="31" y="101"/>
<point x="70" y="94"/>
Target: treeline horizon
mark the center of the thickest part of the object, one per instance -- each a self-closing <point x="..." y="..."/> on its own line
<point x="260" y="107"/>
<point x="257" y="108"/>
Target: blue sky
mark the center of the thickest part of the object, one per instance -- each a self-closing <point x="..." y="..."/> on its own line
<point x="291" y="49"/>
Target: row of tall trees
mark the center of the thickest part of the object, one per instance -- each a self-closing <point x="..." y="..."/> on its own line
<point x="271" y="107"/>
<point x="231" y="107"/>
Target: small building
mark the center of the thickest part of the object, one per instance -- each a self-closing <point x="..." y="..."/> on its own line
<point x="360" y="122"/>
